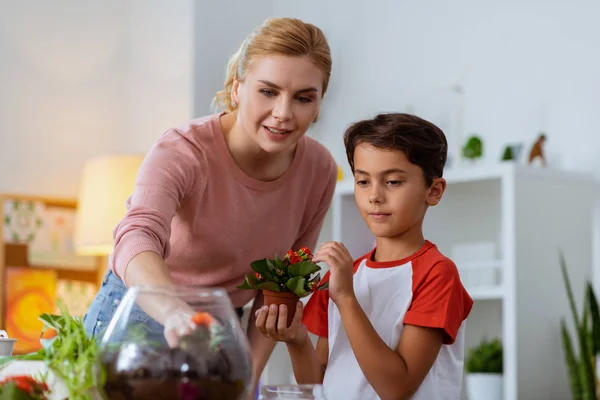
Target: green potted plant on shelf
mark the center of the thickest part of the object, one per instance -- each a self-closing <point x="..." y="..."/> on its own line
<point x="581" y="365"/>
<point x="484" y="368"/>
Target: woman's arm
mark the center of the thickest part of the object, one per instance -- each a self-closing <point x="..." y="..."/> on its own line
<point x="149" y="269"/>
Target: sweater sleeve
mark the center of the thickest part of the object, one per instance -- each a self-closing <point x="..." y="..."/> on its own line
<point x="310" y="235"/>
<point x="164" y="179"/>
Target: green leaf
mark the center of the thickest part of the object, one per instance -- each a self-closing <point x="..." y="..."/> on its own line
<point x="296" y="286"/>
<point x="572" y="366"/>
<point x="595" y="316"/>
<point x="262" y="267"/>
<point x="304" y="269"/>
<point x="10" y="391"/>
<point x="588" y="381"/>
<point x="249" y="283"/>
<point x="279" y="263"/>
<point x="567" y="283"/>
<point x="277" y="274"/>
<point x="55" y="322"/>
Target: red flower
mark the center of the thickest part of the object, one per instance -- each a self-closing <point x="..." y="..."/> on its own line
<point x="258" y="276"/>
<point x="27" y="384"/>
<point x="292" y="257"/>
<point x="306" y="250"/>
<point x="202" y="318"/>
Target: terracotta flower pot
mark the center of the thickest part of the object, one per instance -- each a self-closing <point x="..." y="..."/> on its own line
<point x="278" y="298"/>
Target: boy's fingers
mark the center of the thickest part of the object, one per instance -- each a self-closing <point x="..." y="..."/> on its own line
<point x="282" y="320"/>
<point x="271" y="324"/>
<point x="298" y="316"/>
<point x="261" y="319"/>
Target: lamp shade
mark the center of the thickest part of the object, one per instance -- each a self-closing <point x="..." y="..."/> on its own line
<point x="107" y="183"/>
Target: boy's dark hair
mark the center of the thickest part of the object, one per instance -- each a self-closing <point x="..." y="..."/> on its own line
<point x="423" y="143"/>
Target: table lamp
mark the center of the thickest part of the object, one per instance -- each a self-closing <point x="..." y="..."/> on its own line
<point x="107" y="183"/>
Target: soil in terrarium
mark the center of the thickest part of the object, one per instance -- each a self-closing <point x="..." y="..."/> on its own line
<point x="189" y="372"/>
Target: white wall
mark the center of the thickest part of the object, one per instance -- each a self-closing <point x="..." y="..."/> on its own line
<point x="525" y="66"/>
<point x="84" y="79"/>
<point x="220" y="28"/>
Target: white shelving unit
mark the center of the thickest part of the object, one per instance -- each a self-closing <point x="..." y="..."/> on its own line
<point x="529" y="214"/>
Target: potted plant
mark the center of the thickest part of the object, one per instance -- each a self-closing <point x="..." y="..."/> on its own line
<point x="484" y="365"/>
<point x="581" y="364"/>
<point x="473" y="148"/>
<point x="285" y="281"/>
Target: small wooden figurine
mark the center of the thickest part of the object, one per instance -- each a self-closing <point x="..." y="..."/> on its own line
<point x="537" y="150"/>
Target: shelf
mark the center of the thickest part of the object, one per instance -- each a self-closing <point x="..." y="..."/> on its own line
<point x="486" y="293"/>
<point x="489" y="172"/>
<point x="475" y="265"/>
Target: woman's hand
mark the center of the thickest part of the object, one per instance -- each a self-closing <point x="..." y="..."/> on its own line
<point x="272" y="323"/>
<point x="177" y="324"/>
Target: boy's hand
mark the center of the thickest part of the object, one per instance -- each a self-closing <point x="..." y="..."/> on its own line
<point x="341" y="270"/>
<point x="272" y="323"/>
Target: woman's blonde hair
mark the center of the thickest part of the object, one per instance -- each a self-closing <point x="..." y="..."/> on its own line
<point x="282" y="36"/>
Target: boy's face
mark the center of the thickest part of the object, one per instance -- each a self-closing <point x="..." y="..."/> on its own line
<point x="391" y="192"/>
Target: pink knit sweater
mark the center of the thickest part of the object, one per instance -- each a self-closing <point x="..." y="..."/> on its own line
<point x="208" y="220"/>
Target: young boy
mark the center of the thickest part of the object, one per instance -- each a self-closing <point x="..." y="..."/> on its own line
<point x="390" y="325"/>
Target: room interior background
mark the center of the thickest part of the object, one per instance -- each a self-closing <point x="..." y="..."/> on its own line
<point x="84" y="80"/>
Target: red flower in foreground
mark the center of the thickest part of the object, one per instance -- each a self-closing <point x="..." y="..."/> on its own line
<point x="27" y="384"/>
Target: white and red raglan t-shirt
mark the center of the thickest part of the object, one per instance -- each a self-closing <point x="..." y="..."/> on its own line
<point x="423" y="289"/>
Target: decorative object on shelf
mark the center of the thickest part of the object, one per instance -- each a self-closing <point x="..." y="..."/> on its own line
<point x="581" y="367"/>
<point x="484" y="371"/>
<point x="48" y="232"/>
<point x="285" y="281"/>
<point x="512" y="152"/>
<point x="6" y="344"/>
<point x="473" y="148"/>
<point x="29" y="293"/>
<point x="340" y="173"/>
<point x="537" y="150"/>
<point x="22" y="220"/>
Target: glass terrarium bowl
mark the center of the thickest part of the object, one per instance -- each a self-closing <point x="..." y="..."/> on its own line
<point x="210" y="361"/>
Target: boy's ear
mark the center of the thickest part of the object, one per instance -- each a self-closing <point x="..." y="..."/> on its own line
<point x="436" y="191"/>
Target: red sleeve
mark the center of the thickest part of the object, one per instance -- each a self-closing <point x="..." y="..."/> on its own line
<point x="315" y="311"/>
<point x="439" y="300"/>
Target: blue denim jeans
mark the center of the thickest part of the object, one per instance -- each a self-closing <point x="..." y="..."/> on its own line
<point x="105" y="303"/>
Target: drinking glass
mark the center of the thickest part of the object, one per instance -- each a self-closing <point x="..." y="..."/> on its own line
<point x="292" y="392"/>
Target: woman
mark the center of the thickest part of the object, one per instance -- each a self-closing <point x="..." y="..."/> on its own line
<point x="226" y="189"/>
